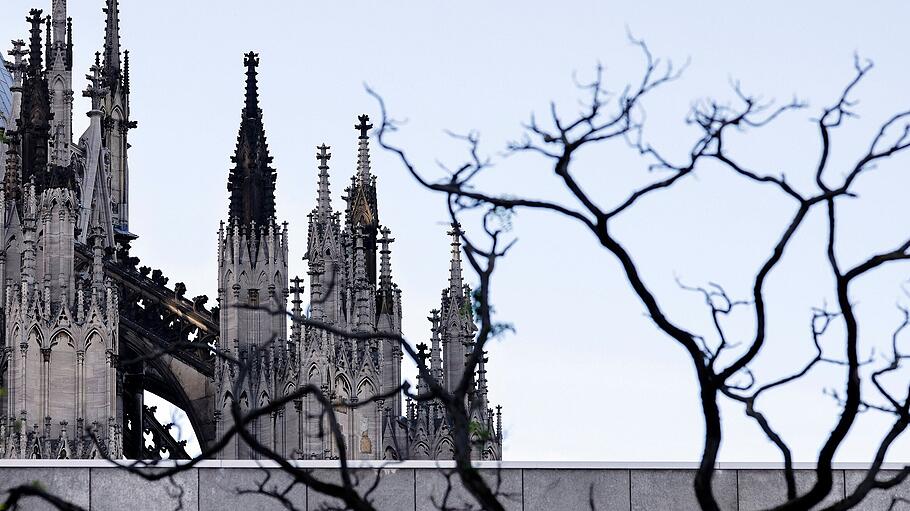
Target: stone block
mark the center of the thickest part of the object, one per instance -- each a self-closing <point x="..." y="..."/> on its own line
<point x="548" y="489"/>
<point x="115" y="489"/>
<point x="238" y="488"/>
<point x="432" y="486"/>
<point x="671" y="490"/>
<point x="879" y="499"/>
<point x="762" y="489"/>
<point x="70" y="484"/>
<point x="394" y="491"/>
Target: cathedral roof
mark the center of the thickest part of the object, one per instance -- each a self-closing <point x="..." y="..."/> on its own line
<point x="6" y="96"/>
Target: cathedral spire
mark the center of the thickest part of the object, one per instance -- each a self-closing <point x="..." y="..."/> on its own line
<point x="296" y="322"/>
<point x="34" y="113"/>
<point x="362" y="320"/>
<point x="435" y="350"/>
<point x="11" y="183"/>
<point x="58" y="12"/>
<point x="252" y="180"/>
<point x="69" y="44"/>
<point x="482" y="382"/>
<point x="112" y="43"/>
<point x="18" y="66"/>
<point x="385" y="263"/>
<point x="126" y="72"/>
<point x="363" y="150"/>
<point x="324" y="198"/>
<point x="48" y="46"/>
<point x="456" y="281"/>
<point x="34" y="53"/>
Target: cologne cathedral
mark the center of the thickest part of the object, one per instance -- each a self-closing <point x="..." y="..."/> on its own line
<point x="87" y="329"/>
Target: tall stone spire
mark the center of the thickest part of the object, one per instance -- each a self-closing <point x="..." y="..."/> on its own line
<point x="11" y="183"/>
<point x="60" y="82"/>
<point x="252" y="180"/>
<point x="112" y="44"/>
<point x="126" y="72"/>
<point x="58" y="13"/>
<point x="253" y="284"/>
<point x="362" y="210"/>
<point x="385" y="263"/>
<point x="456" y="281"/>
<point x="117" y="121"/>
<point x="324" y="197"/>
<point x="361" y="285"/>
<point x="481" y="392"/>
<point x="48" y="49"/>
<point x="69" y="44"/>
<point x="435" y="348"/>
<point x="34" y="115"/>
<point x="34" y="47"/>
<point x="363" y="150"/>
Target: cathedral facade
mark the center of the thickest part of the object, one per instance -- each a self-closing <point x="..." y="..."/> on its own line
<point x="81" y="320"/>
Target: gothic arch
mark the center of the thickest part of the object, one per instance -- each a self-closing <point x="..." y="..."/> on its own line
<point x="117" y="113"/>
<point x="62" y="367"/>
<point x="64" y="334"/>
<point x="226" y="400"/>
<point x="421" y="451"/>
<point x="314" y="370"/>
<point x="342" y="385"/>
<point x="368" y="383"/>
<point x="14" y="341"/>
<point x="58" y="86"/>
<point x="444" y="450"/>
<point x="94" y="339"/>
<point x="35" y="333"/>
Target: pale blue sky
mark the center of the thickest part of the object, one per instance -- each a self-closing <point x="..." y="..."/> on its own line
<point x="587" y="377"/>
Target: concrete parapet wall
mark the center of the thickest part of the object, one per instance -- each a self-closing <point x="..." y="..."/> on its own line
<point x="419" y="486"/>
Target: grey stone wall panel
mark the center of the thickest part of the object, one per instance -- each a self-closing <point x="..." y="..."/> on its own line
<point x="576" y="489"/>
<point x="431" y="485"/>
<point x="221" y="489"/>
<point x="393" y="492"/>
<point x="879" y="499"/>
<point x="762" y="489"/>
<point x="71" y="484"/>
<point x="114" y="489"/>
<point x="671" y="490"/>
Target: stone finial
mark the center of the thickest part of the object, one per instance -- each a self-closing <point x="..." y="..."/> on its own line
<point x="95" y="90"/>
<point x="323" y="156"/>
<point x="363" y="126"/>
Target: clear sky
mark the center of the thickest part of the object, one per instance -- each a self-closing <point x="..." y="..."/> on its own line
<point x="586" y="377"/>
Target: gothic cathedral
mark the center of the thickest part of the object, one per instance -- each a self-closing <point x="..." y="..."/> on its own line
<point x="82" y="321"/>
